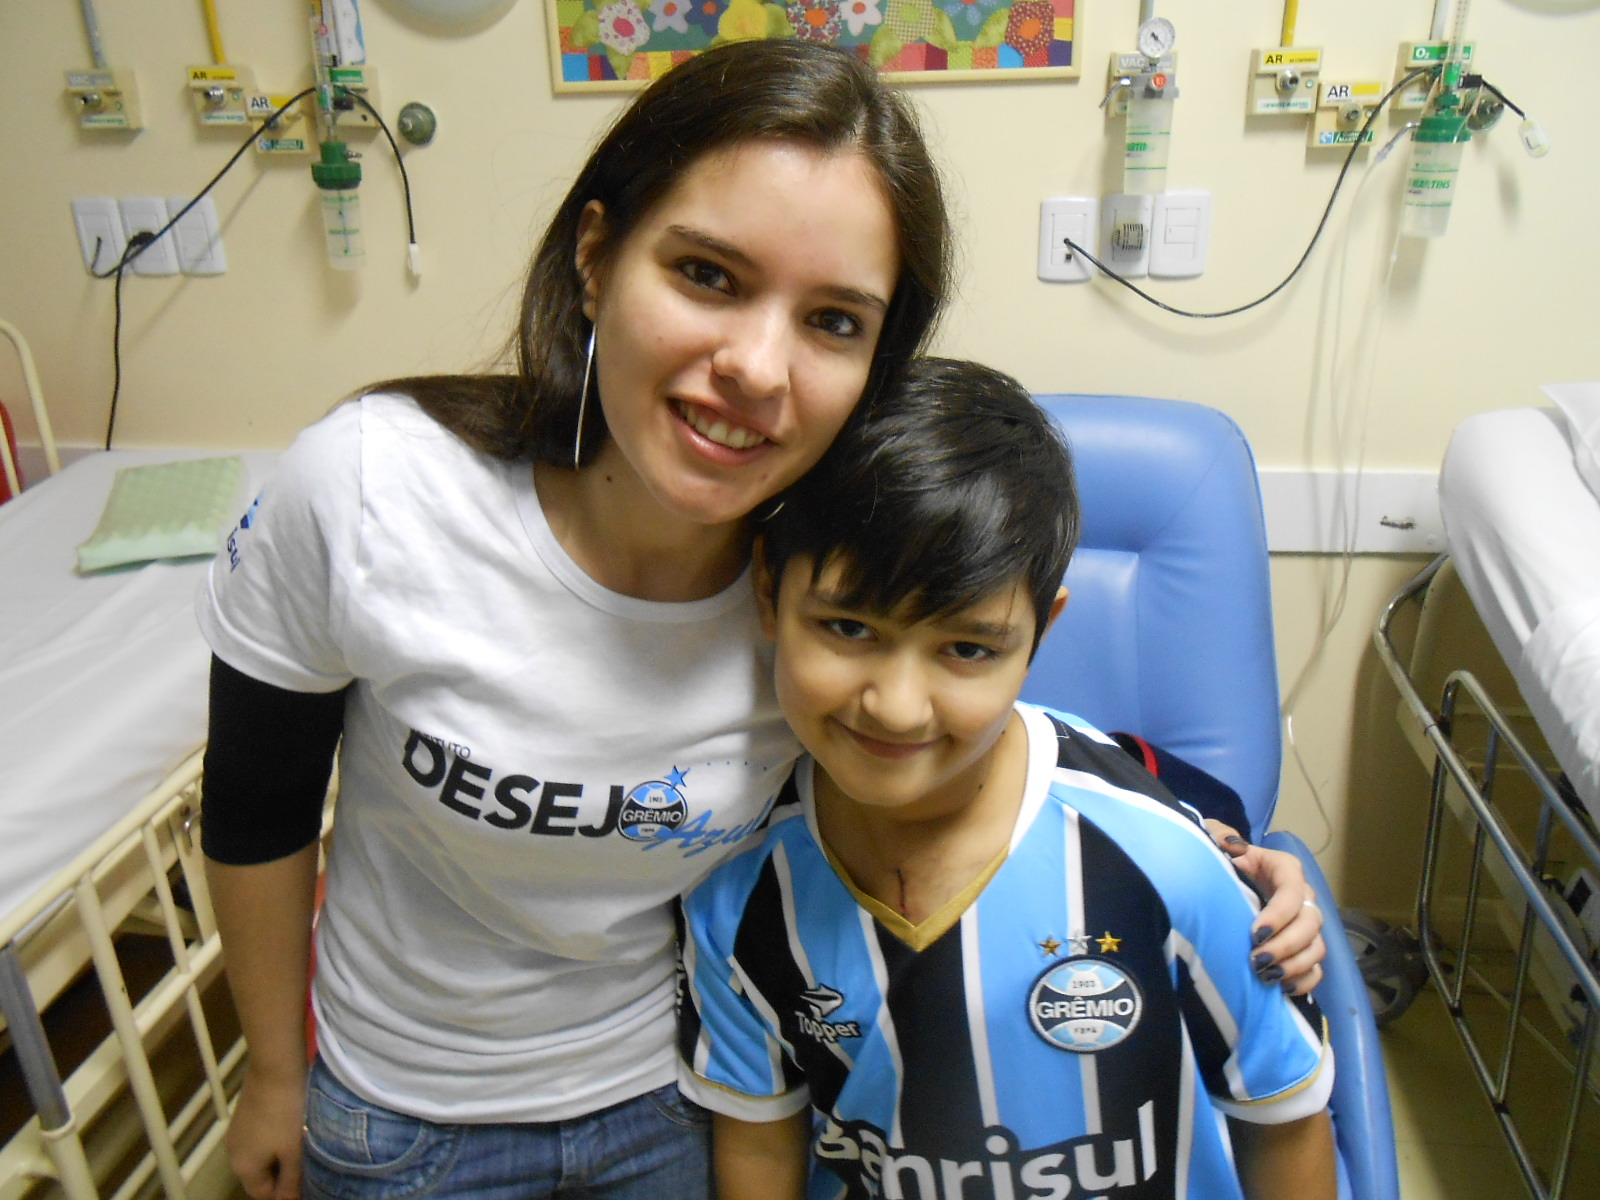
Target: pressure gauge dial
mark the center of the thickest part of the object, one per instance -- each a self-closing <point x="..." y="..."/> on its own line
<point x="1156" y="37"/>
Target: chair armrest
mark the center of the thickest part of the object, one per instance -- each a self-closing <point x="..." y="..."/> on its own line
<point x="1362" y="1122"/>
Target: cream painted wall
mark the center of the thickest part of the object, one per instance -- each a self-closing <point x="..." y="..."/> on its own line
<point x="1474" y="321"/>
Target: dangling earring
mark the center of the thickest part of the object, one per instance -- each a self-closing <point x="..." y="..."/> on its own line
<point x="583" y="401"/>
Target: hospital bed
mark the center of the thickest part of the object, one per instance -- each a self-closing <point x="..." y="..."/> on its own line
<point x="1168" y="634"/>
<point x="1503" y="704"/>
<point x="102" y="716"/>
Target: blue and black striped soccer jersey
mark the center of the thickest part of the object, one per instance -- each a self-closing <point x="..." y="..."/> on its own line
<point x="1053" y="1033"/>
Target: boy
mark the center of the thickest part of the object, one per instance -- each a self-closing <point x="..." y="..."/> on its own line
<point x="980" y="952"/>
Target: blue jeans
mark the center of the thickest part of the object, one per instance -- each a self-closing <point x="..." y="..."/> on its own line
<point x="653" y="1147"/>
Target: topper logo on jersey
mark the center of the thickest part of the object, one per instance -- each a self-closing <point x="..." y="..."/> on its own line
<point x="822" y="1000"/>
<point x="1085" y="1005"/>
<point x="653" y="807"/>
<point x="1094" y="1165"/>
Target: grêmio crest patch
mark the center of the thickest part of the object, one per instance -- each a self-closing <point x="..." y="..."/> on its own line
<point x="1085" y="1005"/>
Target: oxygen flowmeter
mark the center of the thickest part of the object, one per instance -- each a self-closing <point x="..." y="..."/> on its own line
<point x="1436" y="144"/>
<point x="337" y="177"/>
<point x="1439" y="78"/>
<point x="335" y="44"/>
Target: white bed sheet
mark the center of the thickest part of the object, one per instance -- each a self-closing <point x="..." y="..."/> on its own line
<point x="1524" y="533"/>
<point x="102" y="677"/>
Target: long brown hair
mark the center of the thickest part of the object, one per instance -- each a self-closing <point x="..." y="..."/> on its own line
<point x="781" y="90"/>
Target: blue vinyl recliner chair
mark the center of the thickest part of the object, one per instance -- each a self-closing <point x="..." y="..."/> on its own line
<point x="1168" y="635"/>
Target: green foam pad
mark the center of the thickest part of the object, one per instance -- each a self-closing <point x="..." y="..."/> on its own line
<point x="171" y="510"/>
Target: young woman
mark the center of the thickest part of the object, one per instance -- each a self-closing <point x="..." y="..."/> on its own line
<point x="521" y="602"/>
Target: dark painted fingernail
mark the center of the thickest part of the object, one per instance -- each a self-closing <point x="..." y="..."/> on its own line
<point x="1271" y="974"/>
<point x="1233" y="839"/>
<point x="1262" y="934"/>
<point x="1261" y="961"/>
<point x="1288" y="987"/>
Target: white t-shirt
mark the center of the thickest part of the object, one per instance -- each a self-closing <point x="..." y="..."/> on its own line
<point x="532" y="768"/>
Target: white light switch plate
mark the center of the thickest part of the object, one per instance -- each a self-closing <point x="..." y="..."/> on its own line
<point x="199" y="237"/>
<point x="1180" y="236"/>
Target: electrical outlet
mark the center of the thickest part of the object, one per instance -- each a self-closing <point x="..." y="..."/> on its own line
<point x="100" y="236"/>
<point x="1063" y="217"/>
<point x="1125" y="234"/>
<point x="148" y="214"/>
<point x="199" y="237"/>
<point x="1342" y="110"/>
<point x="105" y="99"/>
<point x="220" y="94"/>
<point x="1284" y="80"/>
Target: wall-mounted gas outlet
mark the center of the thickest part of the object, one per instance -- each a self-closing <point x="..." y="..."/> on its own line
<point x="1060" y="218"/>
<point x="1284" y="80"/>
<point x="1125" y="234"/>
<point x="1416" y="56"/>
<point x="289" y="133"/>
<point x="348" y="112"/>
<point x="1138" y="69"/>
<point x="220" y="94"/>
<point x="1342" y="110"/>
<point x="105" y="99"/>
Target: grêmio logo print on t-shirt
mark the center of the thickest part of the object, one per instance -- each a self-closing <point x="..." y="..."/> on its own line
<point x="654" y="813"/>
<point x="245" y="522"/>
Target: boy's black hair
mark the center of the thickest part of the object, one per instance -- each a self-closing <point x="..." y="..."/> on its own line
<point x="951" y="484"/>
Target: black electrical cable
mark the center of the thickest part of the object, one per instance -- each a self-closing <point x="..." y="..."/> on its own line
<point x="132" y="250"/>
<point x="1472" y="81"/>
<point x="215" y="179"/>
<point x="140" y="241"/>
<point x="1327" y="211"/>
<point x="399" y="161"/>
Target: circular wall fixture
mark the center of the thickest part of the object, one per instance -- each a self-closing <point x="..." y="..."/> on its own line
<point x="449" y="16"/>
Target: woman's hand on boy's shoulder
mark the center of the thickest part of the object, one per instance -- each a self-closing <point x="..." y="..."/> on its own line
<point x="1288" y="930"/>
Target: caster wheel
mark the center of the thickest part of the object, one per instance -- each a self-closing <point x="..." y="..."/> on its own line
<point x="1390" y="962"/>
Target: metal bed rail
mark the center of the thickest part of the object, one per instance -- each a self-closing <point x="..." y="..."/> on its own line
<point x="127" y="878"/>
<point x="1514" y="867"/>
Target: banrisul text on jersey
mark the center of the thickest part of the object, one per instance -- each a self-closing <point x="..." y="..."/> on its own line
<point x="1096" y="1165"/>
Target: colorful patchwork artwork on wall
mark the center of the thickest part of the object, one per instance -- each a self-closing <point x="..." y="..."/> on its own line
<point x="612" y="45"/>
